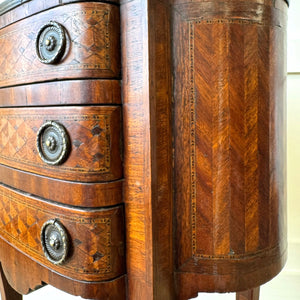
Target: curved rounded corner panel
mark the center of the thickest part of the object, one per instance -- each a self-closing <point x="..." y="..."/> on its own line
<point x="229" y="143"/>
<point x="229" y="275"/>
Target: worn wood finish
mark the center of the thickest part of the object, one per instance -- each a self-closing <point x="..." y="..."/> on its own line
<point x="229" y="142"/>
<point x="95" y="139"/>
<point x="96" y="236"/>
<point x="147" y="142"/>
<point x="79" y="92"/>
<point x="248" y="295"/>
<point x="114" y="289"/>
<point x="92" y="45"/>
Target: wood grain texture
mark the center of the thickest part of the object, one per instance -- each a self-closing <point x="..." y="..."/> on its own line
<point x="204" y="77"/>
<point x="63" y="93"/>
<point x="38" y="276"/>
<point x="31" y="7"/>
<point x="229" y="125"/>
<point x="7" y="292"/>
<point x="81" y="194"/>
<point x="147" y="142"/>
<point x="82" y="93"/>
<point x="95" y="139"/>
<point x="231" y="275"/>
<point x="92" y="45"/>
<point x="96" y="236"/>
<point x="248" y="295"/>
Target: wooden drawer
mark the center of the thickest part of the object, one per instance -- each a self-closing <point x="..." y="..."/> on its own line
<point x="15" y="10"/>
<point x="63" y="92"/>
<point x="96" y="239"/>
<point x="94" y="134"/>
<point x="62" y="217"/>
<point x="92" y="45"/>
<point x="83" y="194"/>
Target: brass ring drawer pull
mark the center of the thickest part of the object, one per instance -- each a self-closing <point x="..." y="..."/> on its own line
<point x="51" y="43"/>
<point x="53" y="143"/>
<point x="55" y="241"/>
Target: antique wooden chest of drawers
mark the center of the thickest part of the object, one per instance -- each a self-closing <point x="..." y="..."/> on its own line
<point x="61" y="148"/>
<point x="156" y="122"/>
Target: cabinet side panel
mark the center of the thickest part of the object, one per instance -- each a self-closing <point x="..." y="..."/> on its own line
<point x="148" y="149"/>
<point x="229" y="141"/>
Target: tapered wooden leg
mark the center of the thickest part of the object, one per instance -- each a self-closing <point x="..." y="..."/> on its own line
<point x="7" y="292"/>
<point x="248" y="295"/>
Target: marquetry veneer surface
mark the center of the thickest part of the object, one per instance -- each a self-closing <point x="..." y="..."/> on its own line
<point x="229" y="143"/>
<point x="92" y="45"/>
<point x="94" y="135"/>
<point x="81" y="92"/>
<point x="62" y="93"/>
<point x="96" y="235"/>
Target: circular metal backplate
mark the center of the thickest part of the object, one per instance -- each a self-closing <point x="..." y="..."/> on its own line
<point x="55" y="241"/>
<point x="53" y="143"/>
<point x="51" y="43"/>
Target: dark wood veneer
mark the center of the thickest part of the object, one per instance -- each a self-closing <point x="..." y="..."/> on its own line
<point x="229" y="144"/>
<point x="70" y="92"/>
<point x="201" y="105"/>
<point x="146" y="56"/>
<point x="82" y="93"/>
<point x="95" y="140"/>
<point x="92" y="49"/>
<point x="10" y="8"/>
<point x="96" y="235"/>
<point x="96" y="194"/>
<point x="114" y="289"/>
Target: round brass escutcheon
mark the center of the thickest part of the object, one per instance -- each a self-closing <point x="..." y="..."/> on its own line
<point x="55" y="241"/>
<point x="53" y="143"/>
<point x="51" y="43"/>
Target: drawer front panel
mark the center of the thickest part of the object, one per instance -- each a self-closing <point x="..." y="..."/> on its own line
<point x="29" y="8"/>
<point x="92" y="46"/>
<point x="99" y="194"/>
<point x="95" y="141"/>
<point x="96" y="236"/>
<point x="64" y="92"/>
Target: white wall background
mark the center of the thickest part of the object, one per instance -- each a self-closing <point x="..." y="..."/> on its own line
<point x="286" y="286"/>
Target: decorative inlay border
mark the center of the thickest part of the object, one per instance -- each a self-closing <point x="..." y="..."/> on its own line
<point x="91" y="49"/>
<point x="193" y="159"/>
<point x="24" y="120"/>
<point x="241" y="12"/>
<point x="192" y="137"/>
<point x="21" y="219"/>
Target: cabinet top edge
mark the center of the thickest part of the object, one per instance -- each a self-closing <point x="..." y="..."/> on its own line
<point x="7" y="5"/>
